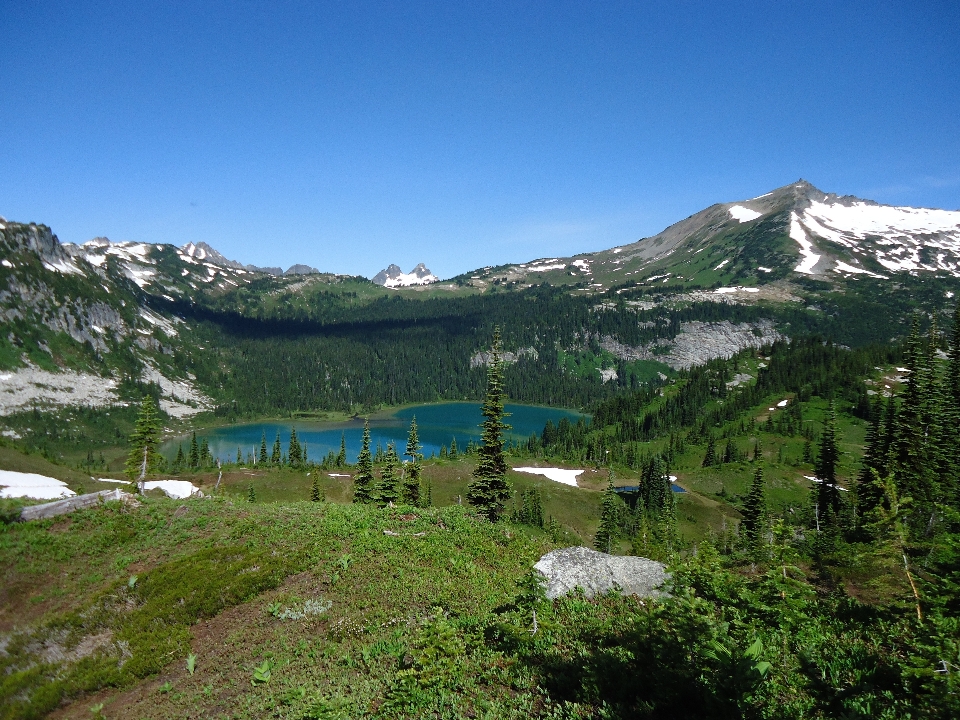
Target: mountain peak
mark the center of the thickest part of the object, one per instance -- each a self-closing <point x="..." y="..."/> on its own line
<point x="203" y="251"/>
<point x="393" y="276"/>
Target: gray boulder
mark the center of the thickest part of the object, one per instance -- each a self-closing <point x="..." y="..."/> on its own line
<point x="597" y="572"/>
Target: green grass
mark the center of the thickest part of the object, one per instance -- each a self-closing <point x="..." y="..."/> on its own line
<point x="192" y="566"/>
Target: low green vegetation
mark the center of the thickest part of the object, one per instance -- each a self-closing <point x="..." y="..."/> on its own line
<point x="814" y="560"/>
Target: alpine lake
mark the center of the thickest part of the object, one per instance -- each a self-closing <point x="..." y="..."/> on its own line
<point x="438" y="424"/>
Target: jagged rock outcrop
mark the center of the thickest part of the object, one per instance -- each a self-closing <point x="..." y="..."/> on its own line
<point x="697" y="342"/>
<point x="393" y="276"/>
<point x="597" y="573"/>
<point x="482" y="357"/>
<point x="301" y="270"/>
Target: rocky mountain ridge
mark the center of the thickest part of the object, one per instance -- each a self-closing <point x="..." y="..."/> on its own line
<point x="795" y="229"/>
<point x="392" y="277"/>
<point x="800" y="258"/>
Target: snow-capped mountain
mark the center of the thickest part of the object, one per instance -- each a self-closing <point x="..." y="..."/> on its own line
<point x="161" y="266"/>
<point x="393" y="277"/>
<point x="829" y="229"/>
<point x="796" y="230"/>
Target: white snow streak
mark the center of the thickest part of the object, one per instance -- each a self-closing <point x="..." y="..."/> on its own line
<point x="742" y="214"/>
<point x="844" y="268"/>
<point x="560" y="475"/>
<point x="799" y="234"/>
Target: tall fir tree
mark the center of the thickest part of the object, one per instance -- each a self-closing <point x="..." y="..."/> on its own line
<point x="951" y="425"/>
<point x="828" y="496"/>
<point x="655" y="489"/>
<point x="607" y="529"/>
<point x="276" y="457"/>
<point x="710" y="457"/>
<point x="489" y="490"/>
<point x="316" y="494"/>
<point x="342" y="455"/>
<point x="913" y="456"/>
<point x="180" y="459"/>
<point x="263" y="448"/>
<point x="293" y="451"/>
<point x="194" y="452"/>
<point x="754" y="509"/>
<point x="363" y="476"/>
<point x="144" y="441"/>
<point x="387" y="490"/>
<point x="412" y="477"/>
<point x="874" y="461"/>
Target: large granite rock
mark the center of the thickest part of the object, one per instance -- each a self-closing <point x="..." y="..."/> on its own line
<point x="597" y="572"/>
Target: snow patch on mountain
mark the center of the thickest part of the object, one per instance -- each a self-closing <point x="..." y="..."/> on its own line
<point x="742" y="214"/>
<point x="799" y="234"/>
<point x="898" y="238"/>
<point x="842" y="267"/>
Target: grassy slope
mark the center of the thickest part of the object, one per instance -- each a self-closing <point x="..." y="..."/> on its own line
<point x="224" y="565"/>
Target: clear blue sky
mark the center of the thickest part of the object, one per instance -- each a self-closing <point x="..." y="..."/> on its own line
<point x="351" y="135"/>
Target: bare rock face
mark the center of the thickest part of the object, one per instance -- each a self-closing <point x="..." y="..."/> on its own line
<point x="597" y="573"/>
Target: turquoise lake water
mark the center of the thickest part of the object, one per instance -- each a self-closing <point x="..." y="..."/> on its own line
<point x="437" y="425"/>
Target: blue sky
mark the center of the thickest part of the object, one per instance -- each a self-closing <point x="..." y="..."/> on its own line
<point x="351" y="135"/>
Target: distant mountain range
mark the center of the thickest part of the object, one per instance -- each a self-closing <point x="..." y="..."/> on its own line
<point x="803" y="261"/>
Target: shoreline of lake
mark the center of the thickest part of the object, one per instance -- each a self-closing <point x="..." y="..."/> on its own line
<point x="438" y="423"/>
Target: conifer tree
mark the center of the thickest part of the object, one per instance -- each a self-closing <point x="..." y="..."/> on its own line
<point x="144" y="441"/>
<point x="342" y="455"/>
<point x="532" y="507"/>
<point x="413" y="472"/>
<point x="950" y="442"/>
<point x="489" y="490"/>
<point x="655" y="490"/>
<point x="205" y="456"/>
<point x="603" y="540"/>
<point x="363" y="477"/>
<point x="754" y="509"/>
<point x="293" y="452"/>
<point x="710" y="458"/>
<point x="453" y="448"/>
<point x="868" y="495"/>
<point x="180" y="459"/>
<point x="386" y="491"/>
<point x="276" y="457"/>
<point x="263" y="448"/>
<point x="194" y="452"/>
<point x="316" y="495"/>
<point x="914" y="457"/>
<point x="826" y="471"/>
<point x="251" y="494"/>
<point x="239" y="456"/>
